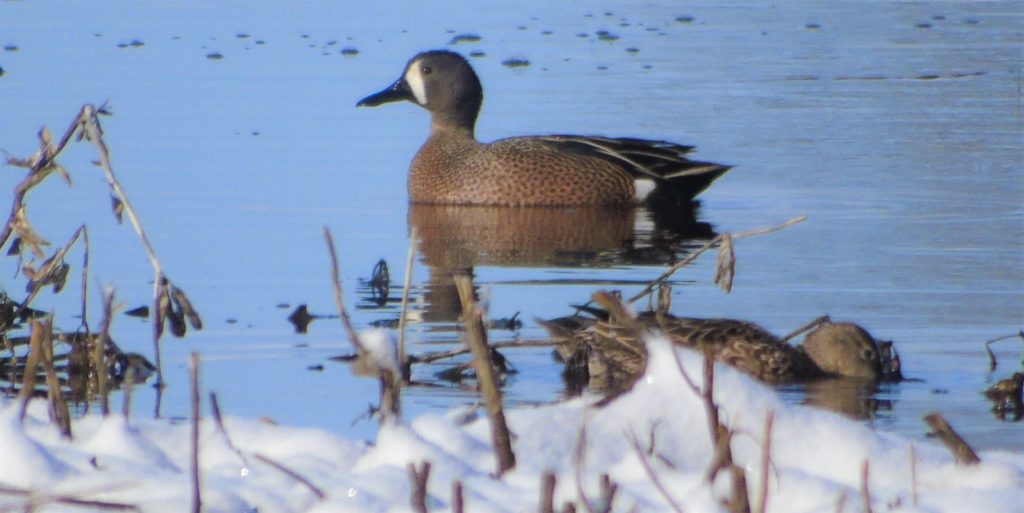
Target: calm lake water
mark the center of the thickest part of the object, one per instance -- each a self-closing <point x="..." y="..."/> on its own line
<point x="895" y="127"/>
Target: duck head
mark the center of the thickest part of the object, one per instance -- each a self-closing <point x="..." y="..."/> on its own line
<point x="844" y="349"/>
<point x="441" y="82"/>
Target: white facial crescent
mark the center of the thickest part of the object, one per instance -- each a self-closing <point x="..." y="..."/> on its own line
<point x="414" y="78"/>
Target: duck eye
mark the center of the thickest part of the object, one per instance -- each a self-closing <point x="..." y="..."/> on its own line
<point x="426" y="70"/>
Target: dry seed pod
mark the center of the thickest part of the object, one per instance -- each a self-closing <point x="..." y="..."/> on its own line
<point x="163" y="304"/>
<point x="185" y="306"/>
<point x="118" y="207"/>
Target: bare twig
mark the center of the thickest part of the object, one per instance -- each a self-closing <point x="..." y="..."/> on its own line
<point x="406" y="285"/>
<point x="338" y="300"/>
<point x="865" y="492"/>
<point x="100" y="351"/>
<point x="418" y="478"/>
<point x="194" y="445"/>
<point x="218" y="420"/>
<point x="992" y="363"/>
<point x="824" y="319"/>
<point x="766" y="461"/>
<point x="476" y="338"/>
<point x="292" y="474"/>
<point x="651" y="474"/>
<point x="740" y="502"/>
<point x="962" y="453"/>
<point x="458" y="501"/>
<point x="28" y="378"/>
<point x="547" y="492"/>
<point x="710" y="244"/>
<point x="38" y="500"/>
<point x="59" y="413"/>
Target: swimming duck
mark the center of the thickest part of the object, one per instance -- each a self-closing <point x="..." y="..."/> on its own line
<point x="452" y="167"/>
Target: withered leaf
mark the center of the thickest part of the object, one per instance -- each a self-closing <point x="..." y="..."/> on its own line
<point x="15" y="248"/>
<point x="726" y="268"/>
<point x="185" y="306"/>
<point x="118" y="207"/>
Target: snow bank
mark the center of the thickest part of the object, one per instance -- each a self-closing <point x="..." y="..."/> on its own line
<point x="816" y="455"/>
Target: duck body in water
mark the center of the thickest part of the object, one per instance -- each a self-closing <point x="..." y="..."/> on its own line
<point x="452" y="167"/>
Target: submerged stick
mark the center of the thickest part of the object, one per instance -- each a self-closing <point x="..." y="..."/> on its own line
<point x="476" y="338"/>
<point x="962" y="453"/>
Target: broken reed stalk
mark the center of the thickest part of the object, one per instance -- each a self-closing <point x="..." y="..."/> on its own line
<point x="218" y="421"/>
<point x="865" y="492"/>
<point x="992" y="362"/>
<point x="193" y="367"/>
<point x="28" y="378"/>
<point x="85" y="281"/>
<point x="406" y="285"/>
<point x="740" y="502"/>
<point x="766" y="461"/>
<point x="58" y="407"/>
<point x="100" y="351"/>
<point x="418" y="478"/>
<point x="913" y="475"/>
<point x="126" y="400"/>
<point x="608" y="491"/>
<point x="320" y="494"/>
<point x="458" y="499"/>
<point x="441" y="355"/>
<point x="38" y="501"/>
<point x="39" y="277"/>
<point x="710" y="244"/>
<point x="547" y="492"/>
<point x="476" y="338"/>
<point x="963" y="454"/>
<point x="824" y="319"/>
<point x="350" y="330"/>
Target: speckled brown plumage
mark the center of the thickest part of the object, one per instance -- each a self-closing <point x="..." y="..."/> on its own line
<point x="616" y="354"/>
<point x="452" y="167"/>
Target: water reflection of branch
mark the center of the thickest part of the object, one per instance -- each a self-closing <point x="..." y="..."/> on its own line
<point x="717" y="241"/>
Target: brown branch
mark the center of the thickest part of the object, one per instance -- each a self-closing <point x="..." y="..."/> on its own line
<point x="292" y="474"/>
<point x="992" y="363"/>
<point x="100" y="351"/>
<point x="353" y="337"/>
<point x="418" y="478"/>
<point x="962" y="453"/>
<point x="59" y="413"/>
<point x="865" y="493"/>
<point x="476" y="338"/>
<point x="38" y="500"/>
<point x="458" y="501"/>
<point x="710" y="244"/>
<point x="634" y="442"/>
<point x="28" y="378"/>
<point x="824" y="319"/>
<point x="547" y="492"/>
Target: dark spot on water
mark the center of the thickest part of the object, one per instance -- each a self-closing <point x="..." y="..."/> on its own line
<point x="812" y="26"/>
<point x="938" y="17"/>
<point x="1" y="71"/>
<point x="316" y="368"/>
<point x="515" y="63"/>
<point x="684" y="19"/>
<point x="10" y="48"/>
<point x="602" y="68"/>
<point x="231" y="320"/>
<point x="242" y="35"/>
<point x="582" y="34"/>
<point x="624" y="24"/>
<point x="647" y="66"/>
<point x="385" y="323"/>
<point x="927" y="77"/>
<point x="971" y="21"/>
<point x="331" y="43"/>
<point x="350" y="51"/>
<point x="477" y="53"/>
<point x="546" y="32"/>
<point x="255" y="133"/>
<point x="300" y="319"/>
<point x="283" y="306"/>
<point x="465" y="38"/>
<point x="304" y="36"/>
<point x="609" y="13"/>
<point x="215" y="56"/>
<point x="588" y="15"/>
<point x="175" y="38"/>
<point x="652" y="29"/>
<point x="449" y="31"/>
<point x="260" y="42"/>
<point x="604" y="35"/>
<point x="632" y="50"/>
<point x="141" y="312"/>
<point x="97" y="34"/>
<point x="923" y="25"/>
<point x="521" y="27"/>
<point x="939" y="391"/>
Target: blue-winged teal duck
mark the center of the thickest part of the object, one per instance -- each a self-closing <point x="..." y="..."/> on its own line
<point x="452" y="167"/>
<point x="613" y="352"/>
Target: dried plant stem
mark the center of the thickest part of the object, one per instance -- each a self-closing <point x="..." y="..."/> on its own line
<point x="85" y="280"/>
<point x="458" y="499"/>
<point x="219" y="422"/>
<point x="418" y="478"/>
<point x="824" y="319"/>
<point x="547" y="492"/>
<point x="100" y="351"/>
<point x="962" y="453"/>
<point x="338" y="298"/>
<point x="37" y="500"/>
<point x="59" y="413"/>
<point x="441" y="355"/>
<point x="51" y="263"/>
<point x="992" y="362"/>
<point x="406" y="285"/>
<point x="651" y="474"/>
<point x="710" y="244"/>
<point x="127" y="386"/>
<point x="865" y="492"/>
<point x="476" y="338"/>
<point x="293" y="474"/>
<point x="28" y="379"/>
<point x="766" y="461"/>
<point x="913" y="475"/>
<point x="193" y="366"/>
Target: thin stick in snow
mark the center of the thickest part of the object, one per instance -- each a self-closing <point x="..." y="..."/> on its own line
<point x="193" y="367"/>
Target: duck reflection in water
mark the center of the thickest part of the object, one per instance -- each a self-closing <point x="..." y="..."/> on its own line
<point x="461" y="238"/>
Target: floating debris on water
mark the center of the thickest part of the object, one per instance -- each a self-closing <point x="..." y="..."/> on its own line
<point x="260" y="42"/>
<point x="938" y="17"/>
<point x="10" y="48"/>
<point x="546" y="32"/>
<point x="215" y="56"/>
<point x="923" y="25"/>
<point x="141" y="312"/>
<point x="812" y="26"/>
<point x="349" y="51"/>
<point x="684" y="19"/>
<point x="582" y="35"/>
<point x="632" y="50"/>
<point x="134" y="43"/>
<point x="604" y="35"/>
<point x="1" y="71"/>
<point x="242" y="35"/>
<point x="477" y="53"/>
<point x="465" y="38"/>
<point x="515" y="63"/>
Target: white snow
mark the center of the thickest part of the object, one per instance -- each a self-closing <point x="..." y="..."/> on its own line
<point x="816" y="458"/>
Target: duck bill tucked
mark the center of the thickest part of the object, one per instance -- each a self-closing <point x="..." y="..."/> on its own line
<point x="399" y="91"/>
